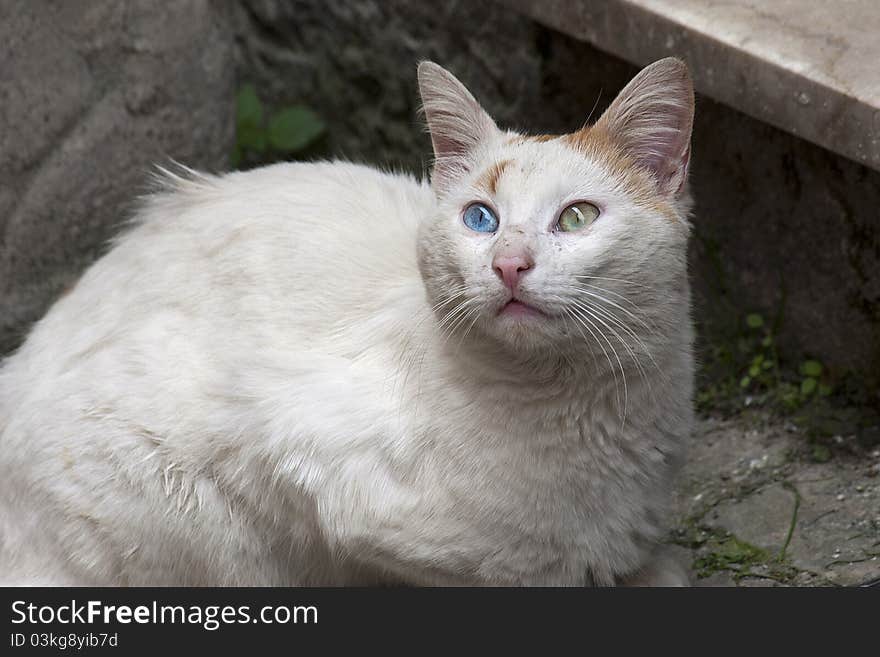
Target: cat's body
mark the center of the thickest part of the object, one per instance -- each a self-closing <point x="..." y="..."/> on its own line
<point x="269" y="380"/>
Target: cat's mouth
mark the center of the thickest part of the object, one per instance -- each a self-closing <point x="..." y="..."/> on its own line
<point x="519" y="309"/>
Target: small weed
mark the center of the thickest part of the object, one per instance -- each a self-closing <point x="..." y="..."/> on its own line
<point x="261" y="138"/>
<point x="744" y="374"/>
<point x="755" y="377"/>
<point x="758" y="345"/>
<point x="721" y="551"/>
<point x="730" y="553"/>
<point x="820" y="453"/>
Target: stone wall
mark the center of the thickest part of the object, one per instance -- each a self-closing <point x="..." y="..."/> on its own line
<point x="92" y="93"/>
<point x="355" y="63"/>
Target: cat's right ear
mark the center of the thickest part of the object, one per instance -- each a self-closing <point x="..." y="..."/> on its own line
<point x="652" y="119"/>
<point x="455" y="120"/>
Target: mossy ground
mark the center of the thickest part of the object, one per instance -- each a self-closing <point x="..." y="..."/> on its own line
<point x="716" y="551"/>
<point x="759" y="503"/>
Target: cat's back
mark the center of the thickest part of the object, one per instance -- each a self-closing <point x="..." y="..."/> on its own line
<point x="223" y="292"/>
<point x="280" y="252"/>
<point x="294" y="227"/>
<point x="219" y="276"/>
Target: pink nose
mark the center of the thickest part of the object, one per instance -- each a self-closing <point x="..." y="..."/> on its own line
<point x="510" y="267"/>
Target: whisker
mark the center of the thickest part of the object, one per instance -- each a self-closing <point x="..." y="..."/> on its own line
<point x="619" y="322"/>
<point x="448" y="296"/>
<point x="584" y="320"/>
<point x="576" y="323"/>
<point x="617" y="280"/>
<point x="565" y="318"/>
<point x="460" y="313"/>
<point x="470" y="326"/>
<point x="448" y="317"/>
<point x="635" y="359"/>
<point x="611" y="303"/>
<point x="622" y="297"/>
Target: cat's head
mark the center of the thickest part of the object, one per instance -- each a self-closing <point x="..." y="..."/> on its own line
<point x="543" y="240"/>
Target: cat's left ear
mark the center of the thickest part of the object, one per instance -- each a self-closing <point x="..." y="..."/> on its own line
<point x="652" y="119"/>
<point x="455" y="120"/>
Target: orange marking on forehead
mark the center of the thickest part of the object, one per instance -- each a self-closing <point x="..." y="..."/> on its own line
<point x="489" y="178"/>
<point x="522" y="139"/>
<point x="582" y="139"/>
<point x="597" y="144"/>
<point x="594" y="142"/>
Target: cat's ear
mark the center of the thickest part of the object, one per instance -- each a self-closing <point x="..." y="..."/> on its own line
<point x="652" y="119"/>
<point x="455" y="120"/>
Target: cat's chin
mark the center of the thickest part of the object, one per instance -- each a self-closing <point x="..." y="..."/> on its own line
<point x="524" y="326"/>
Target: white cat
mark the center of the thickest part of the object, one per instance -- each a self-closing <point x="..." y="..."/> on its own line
<point x="322" y="374"/>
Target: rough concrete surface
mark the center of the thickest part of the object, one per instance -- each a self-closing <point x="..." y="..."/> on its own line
<point x="752" y="507"/>
<point x="806" y="66"/>
<point x="92" y="94"/>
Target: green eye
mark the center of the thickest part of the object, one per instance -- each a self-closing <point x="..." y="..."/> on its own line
<point x="577" y="216"/>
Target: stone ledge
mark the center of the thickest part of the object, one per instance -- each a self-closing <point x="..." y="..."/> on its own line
<point x="808" y="67"/>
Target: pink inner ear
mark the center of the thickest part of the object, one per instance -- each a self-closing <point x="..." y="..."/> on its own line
<point x="450" y="137"/>
<point x="457" y="126"/>
<point x="665" y="152"/>
<point x="683" y="169"/>
<point x="658" y="138"/>
<point x="652" y="119"/>
<point x="455" y="119"/>
<point x="446" y="146"/>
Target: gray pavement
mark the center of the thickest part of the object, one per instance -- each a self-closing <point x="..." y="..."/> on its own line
<point x="754" y="506"/>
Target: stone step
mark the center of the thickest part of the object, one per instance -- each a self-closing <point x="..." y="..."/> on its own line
<point x="809" y="67"/>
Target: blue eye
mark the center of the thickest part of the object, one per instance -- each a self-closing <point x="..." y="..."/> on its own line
<point x="480" y="218"/>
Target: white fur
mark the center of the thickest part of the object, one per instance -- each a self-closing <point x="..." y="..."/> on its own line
<point x="251" y="387"/>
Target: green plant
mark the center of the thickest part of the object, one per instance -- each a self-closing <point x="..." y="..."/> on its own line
<point x="820" y="453"/>
<point x="812" y="370"/>
<point x="730" y="553"/>
<point x="763" y="368"/>
<point x="762" y="374"/>
<point x="283" y="133"/>
<point x="745" y="370"/>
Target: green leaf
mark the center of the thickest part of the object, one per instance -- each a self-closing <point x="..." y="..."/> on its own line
<point x="745" y="381"/>
<point x="767" y="341"/>
<point x="767" y="364"/>
<point x="294" y="128"/>
<point x="821" y="454"/>
<point x="251" y="137"/>
<point x="249" y="109"/>
<point x="808" y="386"/>
<point x="754" y="370"/>
<point x="824" y="390"/>
<point x="811" y="368"/>
<point x="754" y="321"/>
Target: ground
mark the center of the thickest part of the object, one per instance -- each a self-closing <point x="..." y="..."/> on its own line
<point x="758" y="504"/>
